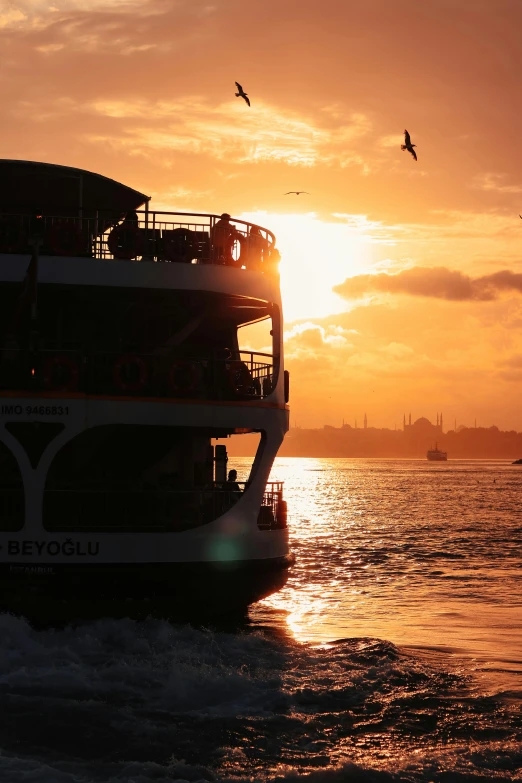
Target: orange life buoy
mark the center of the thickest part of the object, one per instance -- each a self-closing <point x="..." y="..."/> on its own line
<point x="60" y="373"/>
<point x="184" y="378"/>
<point x="242" y="259"/>
<point x="64" y="238"/>
<point x="124" y="241"/>
<point x="130" y="373"/>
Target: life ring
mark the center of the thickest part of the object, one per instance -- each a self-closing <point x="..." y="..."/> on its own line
<point x="184" y="378"/>
<point x="64" y="238"/>
<point x="60" y="373"/>
<point x="130" y="373"/>
<point x="242" y="259"/>
<point x="178" y="245"/>
<point x="239" y="377"/>
<point x="125" y="241"/>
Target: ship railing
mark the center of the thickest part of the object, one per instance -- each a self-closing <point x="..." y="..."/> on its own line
<point x="150" y="510"/>
<point x="149" y="236"/>
<point x="248" y="377"/>
<point x="272" y="513"/>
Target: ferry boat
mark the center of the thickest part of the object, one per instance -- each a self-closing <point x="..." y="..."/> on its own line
<point x="123" y="373"/>
<point x="436" y="455"/>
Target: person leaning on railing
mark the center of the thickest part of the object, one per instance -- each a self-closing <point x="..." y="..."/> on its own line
<point x="222" y="236"/>
<point x="257" y="249"/>
<point x="131" y="219"/>
<point x="232" y="487"/>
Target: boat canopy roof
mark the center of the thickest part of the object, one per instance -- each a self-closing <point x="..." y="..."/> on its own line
<point x="27" y="186"/>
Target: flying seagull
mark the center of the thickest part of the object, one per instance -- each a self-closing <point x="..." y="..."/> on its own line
<point x="241" y="93"/>
<point x="408" y="145"/>
<point x="297" y="192"/>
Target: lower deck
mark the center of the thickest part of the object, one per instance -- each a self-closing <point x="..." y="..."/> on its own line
<point x="103" y="515"/>
<point x="123" y="478"/>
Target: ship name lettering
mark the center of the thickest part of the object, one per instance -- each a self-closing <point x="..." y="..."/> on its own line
<point x="53" y="548"/>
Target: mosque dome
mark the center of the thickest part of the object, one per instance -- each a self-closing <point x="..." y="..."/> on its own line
<point x="422" y="423"/>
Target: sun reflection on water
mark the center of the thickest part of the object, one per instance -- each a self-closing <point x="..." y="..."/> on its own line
<point x="384" y="550"/>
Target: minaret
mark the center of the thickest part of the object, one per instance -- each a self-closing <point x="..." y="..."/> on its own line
<point x="441" y="422"/>
<point x="410" y="419"/>
<point x="365" y="422"/>
<point x="404" y="421"/>
<point x="437" y="419"/>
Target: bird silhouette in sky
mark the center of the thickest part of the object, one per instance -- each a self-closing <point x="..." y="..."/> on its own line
<point x="297" y="192"/>
<point x="408" y="145"/>
<point x="241" y="93"/>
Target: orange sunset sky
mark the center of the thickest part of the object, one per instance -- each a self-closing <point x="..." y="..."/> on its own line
<point x="402" y="281"/>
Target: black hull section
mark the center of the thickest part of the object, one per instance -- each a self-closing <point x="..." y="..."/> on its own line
<point x="180" y="591"/>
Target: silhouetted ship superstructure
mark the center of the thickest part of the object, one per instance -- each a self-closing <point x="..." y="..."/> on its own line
<point x="121" y="364"/>
<point x="436" y="455"/>
<point x="517" y="462"/>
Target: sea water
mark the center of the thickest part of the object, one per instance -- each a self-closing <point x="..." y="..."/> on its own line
<point x="394" y="653"/>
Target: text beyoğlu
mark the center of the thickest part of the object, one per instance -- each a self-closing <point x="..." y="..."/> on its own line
<point x="53" y="548"/>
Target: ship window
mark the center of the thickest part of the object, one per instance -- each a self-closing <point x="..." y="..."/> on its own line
<point x="259" y="343"/>
<point x="256" y="337"/>
<point x="130" y="478"/>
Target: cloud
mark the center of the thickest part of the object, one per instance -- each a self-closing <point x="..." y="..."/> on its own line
<point x="434" y="282"/>
<point x="493" y="182"/>
<point x="12" y="17"/>
<point x="514" y="362"/>
<point x="315" y="335"/>
<point x="226" y="131"/>
<point x="309" y="340"/>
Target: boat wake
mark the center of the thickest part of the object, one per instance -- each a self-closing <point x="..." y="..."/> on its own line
<point x="119" y="700"/>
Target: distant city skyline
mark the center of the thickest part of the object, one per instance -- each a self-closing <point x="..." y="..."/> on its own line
<point x="411" y="442"/>
<point x="407" y="420"/>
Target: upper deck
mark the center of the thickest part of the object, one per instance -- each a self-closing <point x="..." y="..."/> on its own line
<point x="66" y="213"/>
<point x="143" y="235"/>
<point x="94" y="292"/>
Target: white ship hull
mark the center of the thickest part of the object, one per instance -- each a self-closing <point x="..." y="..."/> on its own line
<point x="71" y="536"/>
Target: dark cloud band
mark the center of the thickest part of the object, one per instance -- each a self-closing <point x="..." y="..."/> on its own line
<point x="434" y="282"/>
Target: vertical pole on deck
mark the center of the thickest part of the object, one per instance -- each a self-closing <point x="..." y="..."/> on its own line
<point x="80" y="196"/>
<point x="147" y="229"/>
<point x="96" y="234"/>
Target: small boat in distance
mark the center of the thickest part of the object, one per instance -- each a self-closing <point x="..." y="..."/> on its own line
<point x="517" y="462"/>
<point x="436" y="455"/>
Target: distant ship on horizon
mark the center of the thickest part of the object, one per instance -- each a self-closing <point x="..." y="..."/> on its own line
<point x="436" y="455"/>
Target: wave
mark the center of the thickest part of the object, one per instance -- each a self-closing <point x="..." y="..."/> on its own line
<point x="133" y="702"/>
